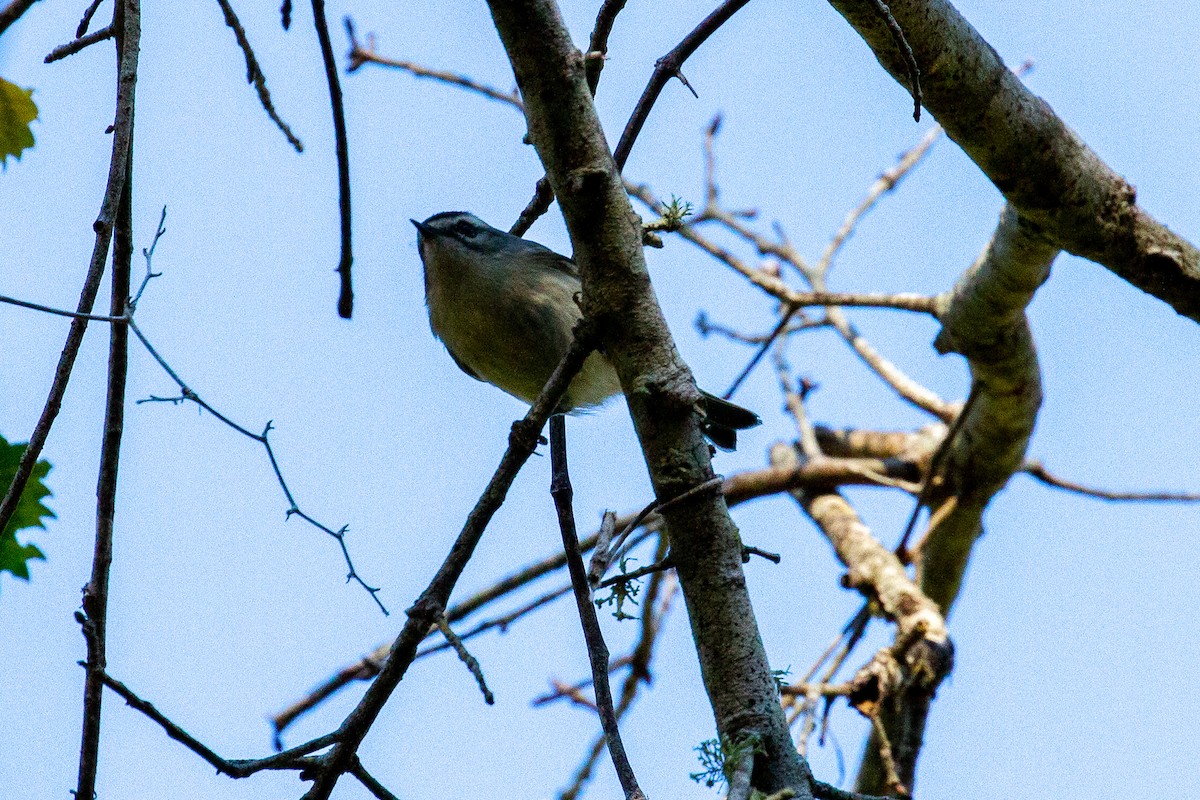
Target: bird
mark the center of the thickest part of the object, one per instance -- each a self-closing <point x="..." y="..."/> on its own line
<point x="506" y="310"/>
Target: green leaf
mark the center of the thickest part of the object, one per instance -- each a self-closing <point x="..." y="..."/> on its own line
<point x="17" y="110"/>
<point x="30" y="512"/>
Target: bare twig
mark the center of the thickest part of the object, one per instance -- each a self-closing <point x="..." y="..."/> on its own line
<point x="1036" y="470"/>
<point x="13" y="12"/>
<point x="59" y="311"/>
<point x="360" y="55"/>
<point x="543" y="194"/>
<point x="823" y="689"/>
<point x="501" y="622"/>
<point x="521" y="444"/>
<point x="75" y="45"/>
<point x="598" y="44"/>
<point x="1073" y="198"/>
<point x="750" y="550"/>
<point x="639" y="672"/>
<point x="345" y="304"/>
<point x="882" y="185"/>
<point x="666" y="68"/>
<point x="933" y="473"/>
<point x="367" y="780"/>
<point x="292" y="759"/>
<point x="894" y="784"/>
<point x="737" y="488"/>
<point x="538" y="205"/>
<point x="561" y="490"/>
<point x="794" y="400"/>
<point x="86" y="20"/>
<point x="910" y="61"/>
<point x="254" y="74"/>
<point x="624" y="577"/>
<point x="122" y="138"/>
<point x="126" y="19"/>
<point x="465" y="656"/>
<point x="706" y="327"/>
<point x="263" y="439"/>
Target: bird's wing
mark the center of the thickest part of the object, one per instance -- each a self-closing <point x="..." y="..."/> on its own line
<point x="463" y="366"/>
<point x="554" y="260"/>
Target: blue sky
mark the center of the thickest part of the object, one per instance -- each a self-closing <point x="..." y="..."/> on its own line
<point x="1076" y="631"/>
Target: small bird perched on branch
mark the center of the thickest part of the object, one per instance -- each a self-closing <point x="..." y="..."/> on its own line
<point x="505" y="309"/>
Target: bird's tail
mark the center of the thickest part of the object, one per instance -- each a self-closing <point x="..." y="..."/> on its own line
<point x="724" y="419"/>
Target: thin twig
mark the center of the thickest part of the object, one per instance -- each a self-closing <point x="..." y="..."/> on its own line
<point x="599" y="562"/>
<point x="75" y="45"/>
<point x="148" y="254"/>
<point x="122" y="138"/>
<point x="501" y="622"/>
<point x="737" y="488"/>
<point x="650" y="508"/>
<point x="885" y="183"/>
<point x="641" y="572"/>
<point x="254" y="75"/>
<point x="465" y="656"/>
<point x="573" y="693"/>
<point x="12" y="12"/>
<point x="543" y="193"/>
<point x="561" y="490"/>
<point x="86" y="20"/>
<point x="345" y="304"/>
<point x="521" y="443"/>
<point x="1036" y="470"/>
<point x="598" y="44"/>
<point x="639" y="672"/>
<point x="292" y="759"/>
<point x="367" y="780"/>
<point x="794" y="400"/>
<point x="895" y="786"/>
<point x="562" y="690"/>
<point x="823" y="689"/>
<point x="187" y="393"/>
<point x="906" y="53"/>
<point x="934" y="470"/>
<point x="666" y="68"/>
<point x="903" y="385"/>
<point x="750" y="550"/>
<point x="360" y="55"/>
<point x="706" y="327"/>
<point x="126" y="18"/>
<point x="539" y="204"/>
<point x="59" y="311"/>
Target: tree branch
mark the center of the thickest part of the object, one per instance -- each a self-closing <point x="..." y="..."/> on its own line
<point x="662" y="397"/>
<point x="13" y="12"/>
<point x="127" y="20"/>
<point x="985" y="321"/>
<point x="121" y="148"/>
<point x="666" y="68"/>
<point x="345" y="303"/>
<point x="560" y="489"/>
<point x="423" y="613"/>
<point x="1040" y="165"/>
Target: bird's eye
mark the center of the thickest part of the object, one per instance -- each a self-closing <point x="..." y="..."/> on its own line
<point x="465" y="228"/>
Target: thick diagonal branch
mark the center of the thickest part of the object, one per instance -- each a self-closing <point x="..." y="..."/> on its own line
<point x="1043" y="168"/>
<point x="662" y="395"/>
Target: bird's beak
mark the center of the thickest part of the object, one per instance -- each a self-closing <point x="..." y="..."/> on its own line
<point x="423" y="229"/>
